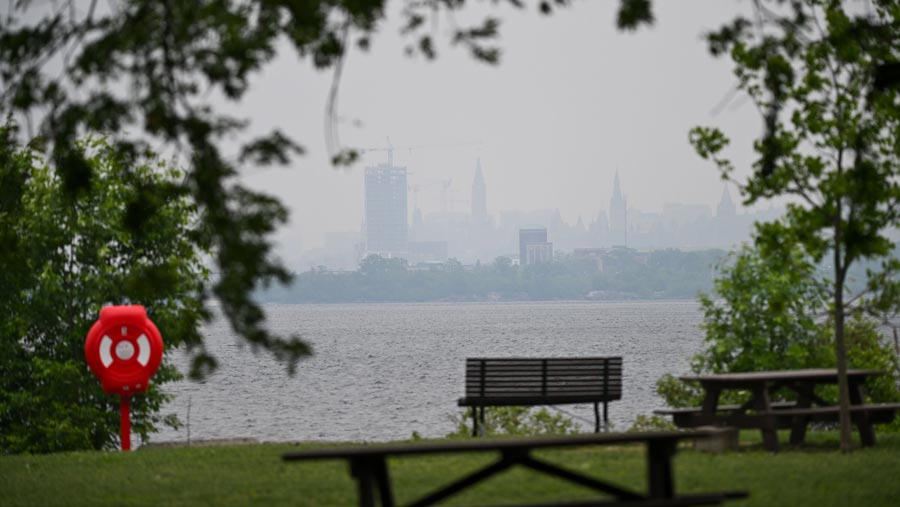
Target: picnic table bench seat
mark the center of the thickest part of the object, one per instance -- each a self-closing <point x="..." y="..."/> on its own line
<point x="761" y="413"/>
<point x="368" y="466"/>
<point x="693" y="417"/>
<point x="517" y="381"/>
<point x="784" y="414"/>
<point x="779" y="405"/>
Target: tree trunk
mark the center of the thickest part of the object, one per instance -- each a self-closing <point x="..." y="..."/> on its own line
<point x="841" y="350"/>
<point x="839" y="342"/>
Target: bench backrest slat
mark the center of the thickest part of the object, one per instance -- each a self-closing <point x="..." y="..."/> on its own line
<point x="567" y="380"/>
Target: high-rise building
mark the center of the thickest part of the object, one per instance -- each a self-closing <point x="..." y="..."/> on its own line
<point x="386" y="216"/>
<point x="527" y="237"/>
<point x="479" y="196"/>
<point x="618" y="216"/>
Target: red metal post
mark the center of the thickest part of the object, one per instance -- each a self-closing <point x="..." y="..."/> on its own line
<point x="125" y="421"/>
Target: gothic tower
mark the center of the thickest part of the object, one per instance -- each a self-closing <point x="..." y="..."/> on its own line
<point x="479" y="196"/>
<point x="726" y="207"/>
<point x="618" y="225"/>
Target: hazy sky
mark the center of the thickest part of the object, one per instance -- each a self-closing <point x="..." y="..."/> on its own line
<point x="572" y="101"/>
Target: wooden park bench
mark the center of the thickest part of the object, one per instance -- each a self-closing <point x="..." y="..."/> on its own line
<point x="541" y="381"/>
<point x="368" y="465"/>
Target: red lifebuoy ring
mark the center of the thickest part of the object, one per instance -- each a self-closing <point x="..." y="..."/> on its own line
<point x="123" y="349"/>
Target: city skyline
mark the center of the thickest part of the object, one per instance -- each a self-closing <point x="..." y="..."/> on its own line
<point x="477" y="234"/>
<point x="434" y="195"/>
<point x="552" y="131"/>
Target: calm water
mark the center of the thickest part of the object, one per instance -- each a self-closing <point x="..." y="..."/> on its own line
<point x="382" y="371"/>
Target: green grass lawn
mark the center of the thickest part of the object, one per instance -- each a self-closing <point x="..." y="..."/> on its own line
<point x="815" y="475"/>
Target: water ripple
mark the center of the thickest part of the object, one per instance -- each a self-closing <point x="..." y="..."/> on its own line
<point x="382" y="371"/>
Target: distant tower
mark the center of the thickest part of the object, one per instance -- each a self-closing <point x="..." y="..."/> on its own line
<point x="386" y="226"/>
<point x="618" y="225"/>
<point x="479" y="196"/>
<point x="726" y="207"/>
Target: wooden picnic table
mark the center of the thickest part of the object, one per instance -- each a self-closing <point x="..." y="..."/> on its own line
<point x="762" y="413"/>
<point x="368" y="465"/>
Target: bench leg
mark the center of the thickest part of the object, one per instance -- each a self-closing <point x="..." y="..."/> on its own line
<point x="481" y="427"/>
<point x="597" y="417"/>
<point x="478" y="427"/>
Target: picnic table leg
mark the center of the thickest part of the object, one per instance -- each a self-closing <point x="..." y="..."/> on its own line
<point x="800" y="423"/>
<point x="508" y="460"/>
<point x="858" y="397"/>
<point x="659" y="469"/>
<point x="769" y="429"/>
<point x="711" y="399"/>
<point x="384" y="483"/>
<point x="364" y="473"/>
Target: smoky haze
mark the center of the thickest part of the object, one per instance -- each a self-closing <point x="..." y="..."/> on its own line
<point x="572" y="102"/>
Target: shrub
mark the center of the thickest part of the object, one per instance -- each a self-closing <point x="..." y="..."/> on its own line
<point x="515" y="421"/>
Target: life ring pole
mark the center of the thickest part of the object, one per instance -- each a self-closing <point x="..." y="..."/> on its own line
<point x="125" y="421"/>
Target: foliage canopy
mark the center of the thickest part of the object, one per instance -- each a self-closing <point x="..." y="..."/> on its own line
<point x="768" y="312"/>
<point x="765" y="314"/>
<point x="143" y="71"/>
<point x="68" y="257"/>
<point x="826" y="77"/>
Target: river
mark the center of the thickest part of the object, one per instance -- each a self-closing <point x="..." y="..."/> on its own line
<point x="382" y="371"/>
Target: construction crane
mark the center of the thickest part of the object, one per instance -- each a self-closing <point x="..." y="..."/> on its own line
<point x="429" y="182"/>
<point x="389" y="148"/>
<point x="445" y="184"/>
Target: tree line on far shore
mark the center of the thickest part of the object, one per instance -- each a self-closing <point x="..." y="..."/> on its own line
<point x="620" y="274"/>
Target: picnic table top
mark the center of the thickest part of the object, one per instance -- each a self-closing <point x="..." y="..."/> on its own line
<point x="813" y="374"/>
<point x="498" y="444"/>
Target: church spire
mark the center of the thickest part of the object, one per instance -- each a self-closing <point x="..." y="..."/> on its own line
<point x="726" y="206"/>
<point x="617" y="188"/>
<point x="618" y="215"/>
<point x="479" y="195"/>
